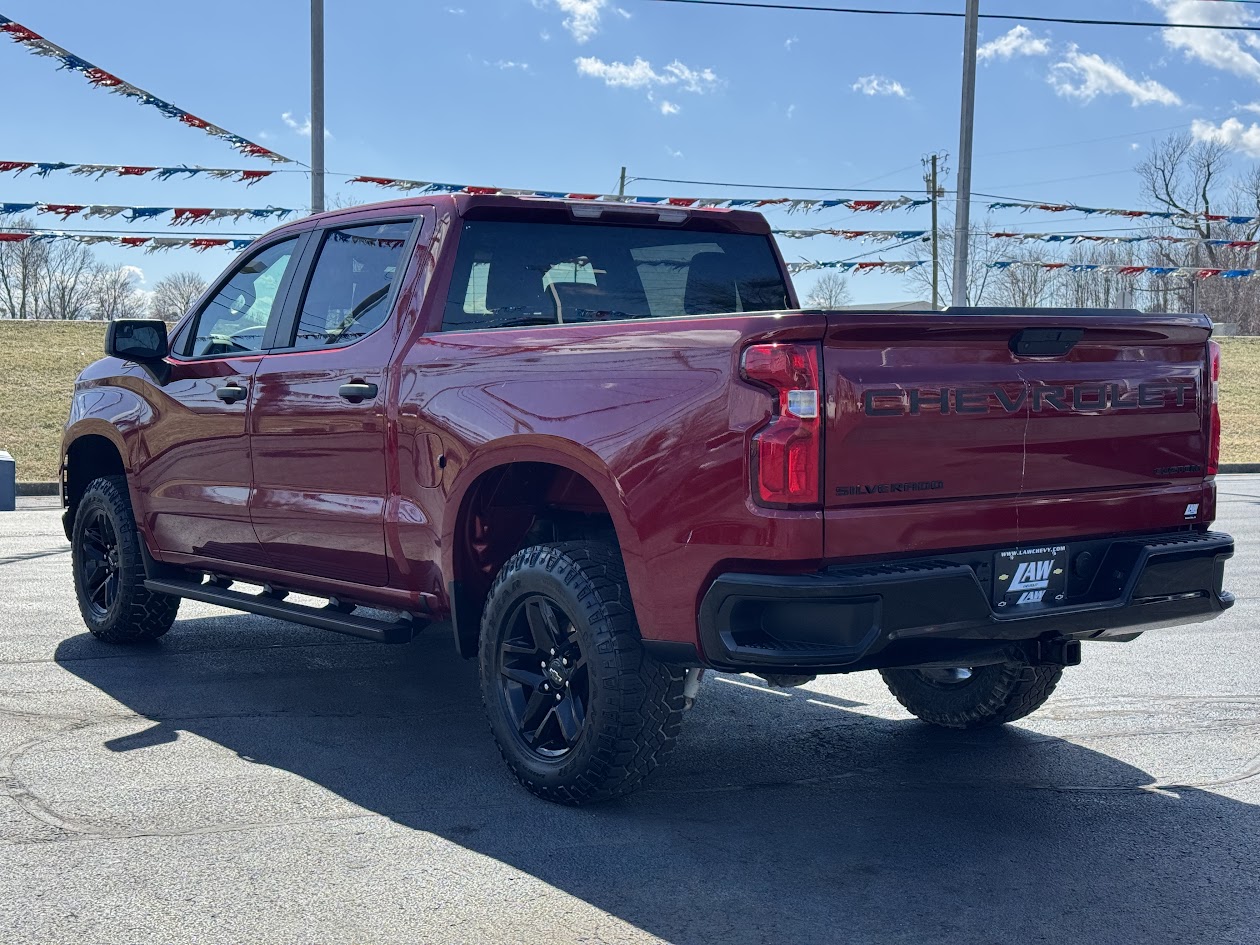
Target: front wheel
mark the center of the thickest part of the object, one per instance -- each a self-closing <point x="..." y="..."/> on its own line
<point x="580" y="711"/>
<point x="109" y="568"/>
<point x="973" y="697"/>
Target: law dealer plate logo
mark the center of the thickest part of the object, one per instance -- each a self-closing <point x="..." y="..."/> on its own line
<point x="1027" y="577"/>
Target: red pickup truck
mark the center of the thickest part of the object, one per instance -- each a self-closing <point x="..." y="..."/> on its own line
<point x="603" y="445"/>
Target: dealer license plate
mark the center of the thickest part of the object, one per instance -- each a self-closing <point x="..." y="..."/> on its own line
<point x="1028" y="577"/>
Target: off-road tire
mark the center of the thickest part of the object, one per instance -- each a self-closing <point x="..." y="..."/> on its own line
<point x="994" y="695"/>
<point x="634" y="706"/>
<point x="134" y="614"/>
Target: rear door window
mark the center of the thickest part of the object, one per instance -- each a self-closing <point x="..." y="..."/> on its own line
<point x="519" y="274"/>
<point x="350" y="288"/>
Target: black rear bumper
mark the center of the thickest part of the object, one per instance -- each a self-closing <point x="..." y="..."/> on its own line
<point x="924" y="610"/>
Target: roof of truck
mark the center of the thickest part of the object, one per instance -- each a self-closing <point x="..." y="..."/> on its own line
<point x="544" y="208"/>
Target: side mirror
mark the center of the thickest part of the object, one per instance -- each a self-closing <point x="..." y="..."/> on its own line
<point x="142" y="340"/>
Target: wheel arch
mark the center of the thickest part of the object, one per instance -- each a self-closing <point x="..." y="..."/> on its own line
<point x="90" y="450"/>
<point x="518" y="495"/>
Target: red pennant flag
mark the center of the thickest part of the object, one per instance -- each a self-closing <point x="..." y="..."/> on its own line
<point x="135" y="171"/>
<point x="1054" y="265"/>
<point x="134" y="240"/>
<point x="19" y="32"/>
<point x="193" y="121"/>
<point x="14" y="237"/>
<point x="591" y="197"/>
<point x="1053" y="207"/>
<point x="100" y="77"/>
<point x="6" y="166"/>
<point x="1208" y="273"/>
<point x="191" y="215"/>
<point x="63" y="210"/>
<point x="1132" y="270"/>
<point x="251" y="176"/>
<point x="257" y="150"/>
<point x="383" y="181"/>
<point x="206" y="243"/>
<point x="482" y="191"/>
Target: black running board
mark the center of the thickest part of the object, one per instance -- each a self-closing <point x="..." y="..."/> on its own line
<point x="325" y="618"/>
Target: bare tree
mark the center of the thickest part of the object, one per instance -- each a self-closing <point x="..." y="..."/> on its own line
<point x="981" y="277"/>
<point x="65" y="286"/>
<point x="830" y="291"/>
<point x="175" y="295"/>
<point x="115" y="294"/>
<point x="21" y="267"/>
<point x="1194" y="180"/>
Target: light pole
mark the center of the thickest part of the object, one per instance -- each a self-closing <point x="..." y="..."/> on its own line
<point x="317" y="106"/>
<point x="962" y="216"/>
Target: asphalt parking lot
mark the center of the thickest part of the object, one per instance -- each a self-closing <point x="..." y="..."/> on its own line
<point x="245" y="780"/>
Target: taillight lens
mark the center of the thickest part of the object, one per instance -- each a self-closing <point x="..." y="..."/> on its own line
<point x="787" y="452"/>
<point x="1214" y="391"/>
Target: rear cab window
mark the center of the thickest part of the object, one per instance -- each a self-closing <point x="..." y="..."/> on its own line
<point x="516" y="274"/>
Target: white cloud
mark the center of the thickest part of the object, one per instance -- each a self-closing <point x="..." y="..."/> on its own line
<point x="791" y="109"/>
<point x="135" y="272"/>
<point x="1020" y="41"/>
<point x="790" y="42"/>
<point x="507" y="64"/>
<point x="879" y="85"/>
<point x="581" y="17"/>
<point x="1085" y="76"/>
<point x="544" y="36"/>
<point x="304" y="129"/>
<point x="672" y="153"/>
<point x="1229" y="52"/>
<point x="640" y="75"/>
<point x="456" y="11"/>
<point x="1134" y="146"/>
<point x="1231" y="132"/>
<point x="624" y="14"/>
<point x="669" y="108"/>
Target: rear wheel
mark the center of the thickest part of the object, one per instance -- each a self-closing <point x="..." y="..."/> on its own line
<point x="109" y="568"/>
<point x="579" y="709"/>
<point x="976" y="697"/>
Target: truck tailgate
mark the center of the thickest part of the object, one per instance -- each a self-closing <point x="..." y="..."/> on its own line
<point x="963" y="430"/>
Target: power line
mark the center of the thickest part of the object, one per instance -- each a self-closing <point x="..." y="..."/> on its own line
<point x="718" y="183"/>
<point x="1018" y="17"/>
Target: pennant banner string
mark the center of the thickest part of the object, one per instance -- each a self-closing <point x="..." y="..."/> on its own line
<point x="883" y="265"/>
<point x="1195" y="272"/>
<point x="151" y="244"/>
<point x="44" y="168"/>
<point x="1090" y="238"/>
<point x="1131" y="214"/>
<point x="101" y="79"/>
<point x="726" y="203"/>
<point x="182" y="215"/>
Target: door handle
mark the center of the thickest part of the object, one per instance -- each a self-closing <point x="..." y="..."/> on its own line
<point x="231" y="393"/>
<point x="357" y="391"/>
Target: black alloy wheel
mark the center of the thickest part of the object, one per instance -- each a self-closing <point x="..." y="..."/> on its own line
<point x="543" y="677"/>
<point x="99" y="563"/>
<point x="581" y="712"/>
<point x="107" y="561"/>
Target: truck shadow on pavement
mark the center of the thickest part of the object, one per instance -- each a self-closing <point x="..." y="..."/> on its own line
<point x="786" y="818"/>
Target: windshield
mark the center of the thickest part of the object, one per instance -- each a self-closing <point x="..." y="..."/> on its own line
<point x="512" y="274"/>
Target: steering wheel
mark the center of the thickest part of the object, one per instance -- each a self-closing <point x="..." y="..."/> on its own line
<point x="356" y="313"/>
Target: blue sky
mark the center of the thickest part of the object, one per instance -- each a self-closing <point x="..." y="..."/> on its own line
<point x="559" y="94"/>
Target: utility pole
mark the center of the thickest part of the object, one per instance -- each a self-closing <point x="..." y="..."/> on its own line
<point x="317" y="106"/>
<point x="962" y="219"/>
<point x="621" y="187"/>
<point x="934" y="192"/>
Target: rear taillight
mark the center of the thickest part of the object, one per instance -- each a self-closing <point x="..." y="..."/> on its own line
<point x="787" y="451"/>
<point x="1214" y="392"/>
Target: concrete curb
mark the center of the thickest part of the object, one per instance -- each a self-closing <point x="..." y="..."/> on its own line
<point x="38" y="488"/>
<point x="52" y="488"/>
